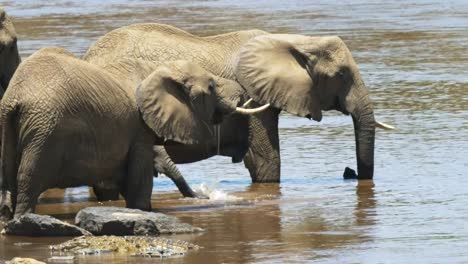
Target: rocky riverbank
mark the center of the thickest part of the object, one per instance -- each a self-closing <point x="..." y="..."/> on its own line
<point x="103" y="230"/>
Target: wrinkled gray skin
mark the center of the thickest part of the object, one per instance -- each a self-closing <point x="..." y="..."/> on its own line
<point x="299" y="74"/>
<point x="9" y="56"/>
<point x="67" y="123"/>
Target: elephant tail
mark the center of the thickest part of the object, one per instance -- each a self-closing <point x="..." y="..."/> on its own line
<point x="8" y="164"/>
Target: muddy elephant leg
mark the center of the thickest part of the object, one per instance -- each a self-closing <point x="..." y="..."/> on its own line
<point x="138" y="184"/>
<point x="263" y="157"/>
<point x="164" y="164"/>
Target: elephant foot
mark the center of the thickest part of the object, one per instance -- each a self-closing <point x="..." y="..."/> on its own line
<point x="6" y="207"/>
<point x="349" y="174"/>
<point x="6" y="214"/>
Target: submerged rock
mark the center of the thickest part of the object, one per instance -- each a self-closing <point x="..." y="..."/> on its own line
<point x="24" y="261"/>
<point x="124" y="221"/>
<point x="133" y="245"/>
<point x="41" y="225"/>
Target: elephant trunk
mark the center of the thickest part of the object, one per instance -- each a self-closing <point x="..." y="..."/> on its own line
<point x="364" y="130"/>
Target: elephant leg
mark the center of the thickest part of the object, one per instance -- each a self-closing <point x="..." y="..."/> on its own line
<point x="164" y="164"/>
<point x="29" y="186"/>
<point x="27" y="194"/>
<point x="106" y="191"/>
<point x="138" y="184"/>
<point x="263" y="157"/>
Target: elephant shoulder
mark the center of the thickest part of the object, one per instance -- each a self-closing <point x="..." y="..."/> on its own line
<point x="44" y="65"/>
<point x="52" y="60"/>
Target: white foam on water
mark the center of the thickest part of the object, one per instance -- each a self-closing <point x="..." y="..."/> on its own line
<point x="214" y="194"/>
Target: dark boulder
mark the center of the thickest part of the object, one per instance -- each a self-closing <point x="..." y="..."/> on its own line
<point x="41" y="225"/>
<point x="123" y="221"/>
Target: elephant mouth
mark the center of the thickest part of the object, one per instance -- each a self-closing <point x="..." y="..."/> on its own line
<point x="339" y="107"/>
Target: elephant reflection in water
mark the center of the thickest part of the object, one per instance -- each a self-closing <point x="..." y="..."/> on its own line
<point x="272" y="229"/>
<point x="364" y="212"/>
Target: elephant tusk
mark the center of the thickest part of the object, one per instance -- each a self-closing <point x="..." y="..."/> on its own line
<point x="245" y="111"/>
<point x="247" y="103"/>
<point x="384" y="126"/>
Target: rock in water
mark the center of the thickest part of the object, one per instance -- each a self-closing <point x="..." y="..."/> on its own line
<point x="24" y="261"/>
<point x="123" y="221"/>
<point x="41" y="225"/>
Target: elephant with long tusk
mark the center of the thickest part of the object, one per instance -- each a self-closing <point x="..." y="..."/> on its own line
<point x="298" y="74"/>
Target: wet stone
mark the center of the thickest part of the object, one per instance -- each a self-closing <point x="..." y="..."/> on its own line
<point x="41" y="225"/>
<point x="132" y="245"/>
<point x="123" y="221"/>
<point x="61" y="259"/>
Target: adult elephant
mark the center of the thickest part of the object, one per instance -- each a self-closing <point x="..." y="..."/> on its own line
<point x="68" y="123"/>
<point x="299" y="74"/>
<point x="9" y="56"/>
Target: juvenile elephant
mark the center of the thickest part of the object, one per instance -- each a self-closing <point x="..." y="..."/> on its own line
<point x="9" y="56"/>
<point x="68" y="123"/>
<point x="299" y="74"/>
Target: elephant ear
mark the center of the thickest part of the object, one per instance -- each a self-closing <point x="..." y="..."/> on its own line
<point x="166" y="105"/>
<point x="274" y="71"/>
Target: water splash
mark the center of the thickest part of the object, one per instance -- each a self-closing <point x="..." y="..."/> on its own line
<point x="214" y="194"/>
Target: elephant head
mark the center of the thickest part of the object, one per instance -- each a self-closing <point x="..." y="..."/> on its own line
<point x="181" y="101"/>
<point x="307" y="75"/>
<point x="9" y="57"/>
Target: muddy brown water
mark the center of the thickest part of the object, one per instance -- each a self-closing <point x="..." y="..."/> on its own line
<point x="413" y="56"/>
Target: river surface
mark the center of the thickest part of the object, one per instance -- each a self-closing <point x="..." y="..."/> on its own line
<point x="413" y="56"/>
